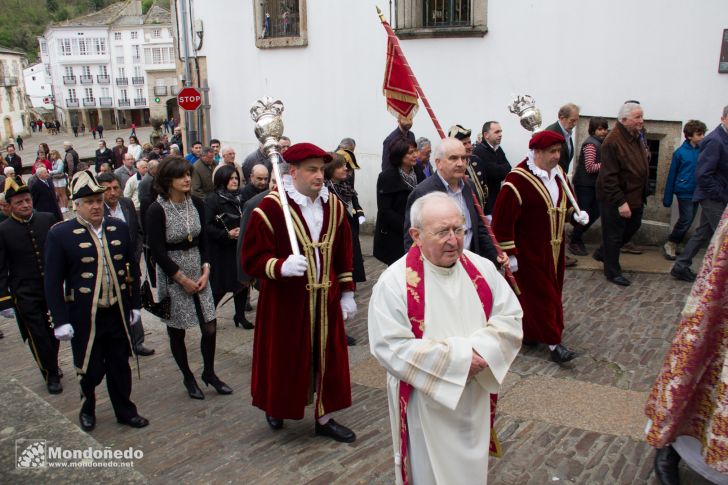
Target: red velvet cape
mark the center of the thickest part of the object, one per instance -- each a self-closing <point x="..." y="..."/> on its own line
<point x="527" y="226"/>
<point x="295" y="335"/>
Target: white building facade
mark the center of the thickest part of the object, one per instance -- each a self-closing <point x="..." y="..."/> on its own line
<point x="13" y="102"/>
<point x="98" y="66"/>
<point x="471" y="57"/>
<point x="38" y="86"/>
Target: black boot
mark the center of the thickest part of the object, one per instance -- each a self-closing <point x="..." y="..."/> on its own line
<point x="242" y="321"/>
<point x="666" y="466"/>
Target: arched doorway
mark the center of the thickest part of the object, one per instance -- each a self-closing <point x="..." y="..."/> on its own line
<point x="9" y="128"/>
<point x="172" y="109"/>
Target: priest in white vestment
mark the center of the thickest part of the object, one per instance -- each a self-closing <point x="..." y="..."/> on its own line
<point x="461" y="357"/>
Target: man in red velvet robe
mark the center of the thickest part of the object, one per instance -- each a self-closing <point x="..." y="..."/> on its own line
<point x="300" y="342"/>
<point x="529" y="219"/>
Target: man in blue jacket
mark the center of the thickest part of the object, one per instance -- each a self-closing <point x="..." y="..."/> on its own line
<point x="711" y="192"/>
<point x="681" y="183"/>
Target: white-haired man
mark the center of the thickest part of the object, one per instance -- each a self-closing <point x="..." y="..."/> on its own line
<point x="446" y="326"/>
<point x="621" y="188"/>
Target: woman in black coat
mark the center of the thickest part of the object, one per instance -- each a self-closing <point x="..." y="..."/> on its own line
<point x="223" y="209"/>
<point x="393" y="187"/>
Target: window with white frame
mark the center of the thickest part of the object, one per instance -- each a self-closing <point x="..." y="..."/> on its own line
<point x="138" y="71"/>
<point x="64" y="47"/>
<point x="104" y="92"/>
<point x="103" y="70"/>
<point x="134" y="35"/>
<point x="72" y="94"/>
<point x="43" y="47"/>
<point x="139" y="93"/>
<point x="85" y="70"/>
<point x="158" y="55"/>
<point x="124" y="94"/>
<point x="83" y="47"/>
<point x="156" y="33"/>
<point x="122" y="72"/>
<point x="117" y="35"/>
<point x="136" y="50"/>
<point x="440" y="18"/>
<point x="68" y="70"/>
<point x="99" y="46"/>
<point x="89" y="92"/>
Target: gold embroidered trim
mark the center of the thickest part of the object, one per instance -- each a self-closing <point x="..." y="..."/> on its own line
<point x="84" y="290"/>
<point x="115" y="242"/>
<point x="515" y="191"/>
<point x="118" y="257"/>
<point x="87" y="275"/>
<point x="79" y="231"/>
<point x="84" y="245"/>
<point x="87" y="259"/>
<point x="265" y="219"/>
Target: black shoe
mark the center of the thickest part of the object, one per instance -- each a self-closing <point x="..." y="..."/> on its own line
<point x="54" y="384"/>
<point x="87" y="420"/>
<point x="135" y="421"/>
<point x="666" y="466"/>
<point x="577" y="248"/>
<point x="597" y="256"/>
<point x="243" y="322"/>
<point x="569" y="261"/>
<point x="334" y="430"/>
<point x="561" y="354"/>
<point x="193" y="389"/>
<point x="274" y="423"/>
<point x="350" y="341"/>
<point x="215" y="382"/>
<point x="528" y="343"/>
<point x="620" y="280"/>
<point x="143" y="351"/>
<point x="684" y="274"/>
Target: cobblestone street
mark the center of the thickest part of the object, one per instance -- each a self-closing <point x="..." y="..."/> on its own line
<point x="579" y="424"/>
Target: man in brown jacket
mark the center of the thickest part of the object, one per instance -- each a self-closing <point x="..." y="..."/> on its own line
<point x="202" y="173"/>
<point x="621" y="188"/>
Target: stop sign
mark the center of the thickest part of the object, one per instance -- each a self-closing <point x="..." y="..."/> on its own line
<point x="189" y="99"/>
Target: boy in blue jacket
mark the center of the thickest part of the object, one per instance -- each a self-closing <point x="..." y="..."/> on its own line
<point x="681" y="183"/>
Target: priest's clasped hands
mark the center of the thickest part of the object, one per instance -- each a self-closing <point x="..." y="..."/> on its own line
<point x="477" y="365"/>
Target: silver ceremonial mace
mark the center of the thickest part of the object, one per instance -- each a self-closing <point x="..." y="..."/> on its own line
<point x="266" y="113"/>
<point x="524" y="106"/>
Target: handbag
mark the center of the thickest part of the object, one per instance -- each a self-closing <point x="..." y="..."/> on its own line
<point x="161" y="309"/>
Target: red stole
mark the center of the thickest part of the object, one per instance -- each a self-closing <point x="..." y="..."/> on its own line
<point x="416" y="315"/>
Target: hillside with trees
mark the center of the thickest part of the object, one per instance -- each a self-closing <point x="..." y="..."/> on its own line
<point x="24" y="20"/>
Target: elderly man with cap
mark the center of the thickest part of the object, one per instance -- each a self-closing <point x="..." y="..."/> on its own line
<point x="300" y="342"/>
<point x="92" y="289"/>
<point x="529" y="220"/>
<point x="22" y="241"/>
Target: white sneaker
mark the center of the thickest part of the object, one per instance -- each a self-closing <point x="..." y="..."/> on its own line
<point x="669" y="249"/>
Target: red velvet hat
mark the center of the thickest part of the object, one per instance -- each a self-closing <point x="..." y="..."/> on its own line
<point x="303" y="151"/>
<point x="544" y="139"/>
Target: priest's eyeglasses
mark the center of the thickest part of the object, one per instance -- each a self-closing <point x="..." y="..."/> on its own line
<point x="444" y="234"/>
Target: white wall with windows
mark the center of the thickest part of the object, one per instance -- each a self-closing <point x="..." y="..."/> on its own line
<point x="664" y="53"/>
<point x="38" y="86"/>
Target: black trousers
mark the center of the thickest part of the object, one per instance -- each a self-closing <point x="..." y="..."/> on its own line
<point x="31" y="313"/>
<point x="110" y="358"/>
<point x="616" y="232"/>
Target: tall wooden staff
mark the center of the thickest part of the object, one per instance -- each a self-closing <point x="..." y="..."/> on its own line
<point x="268" y="129"/>
<point x="395" y="43"/>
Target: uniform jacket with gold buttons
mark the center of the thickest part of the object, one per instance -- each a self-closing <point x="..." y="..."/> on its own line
<point x="75" y="282"/>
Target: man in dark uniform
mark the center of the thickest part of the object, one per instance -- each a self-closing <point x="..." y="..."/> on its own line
<point x="93" y="256"/>
<point x="475" y="167"/>
<point x="123" y="208"/>
<point x="22" y="241"/>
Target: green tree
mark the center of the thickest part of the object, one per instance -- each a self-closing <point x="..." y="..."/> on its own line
<point x="52" y="6"/>
<point x="146" y="5"/>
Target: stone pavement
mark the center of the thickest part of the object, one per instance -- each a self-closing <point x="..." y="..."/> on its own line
<point x="580" y="424"/>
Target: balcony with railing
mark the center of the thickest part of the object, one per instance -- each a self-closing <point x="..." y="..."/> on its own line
<point x="8" y="81"/>
<point x="86" y="79"/>
<point x="173" y="90"/>
<point x="124" y="102"/>
<point x="137" y="80"/>
<point x="140" y="101"/>
<point x="103" y="79"/>
<point x="72" y="103"/>
<point x="69" y="79"/>
<point x="160" y="90"/>
<point x="106" y="102"/>
<point x="89" y="102"/>
<point x="122" y="81"/>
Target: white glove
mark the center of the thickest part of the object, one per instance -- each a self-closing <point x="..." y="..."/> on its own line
<point x="513" y="263"/>
<point x="136" y="316"/>
<point x="8" y="313"/>
<point x="348" y="305"/>
<point x="362" y="220"/>
<point x="64" y="332"/>
<point x="582" y="218"/>
<point x="294" y="265"/>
